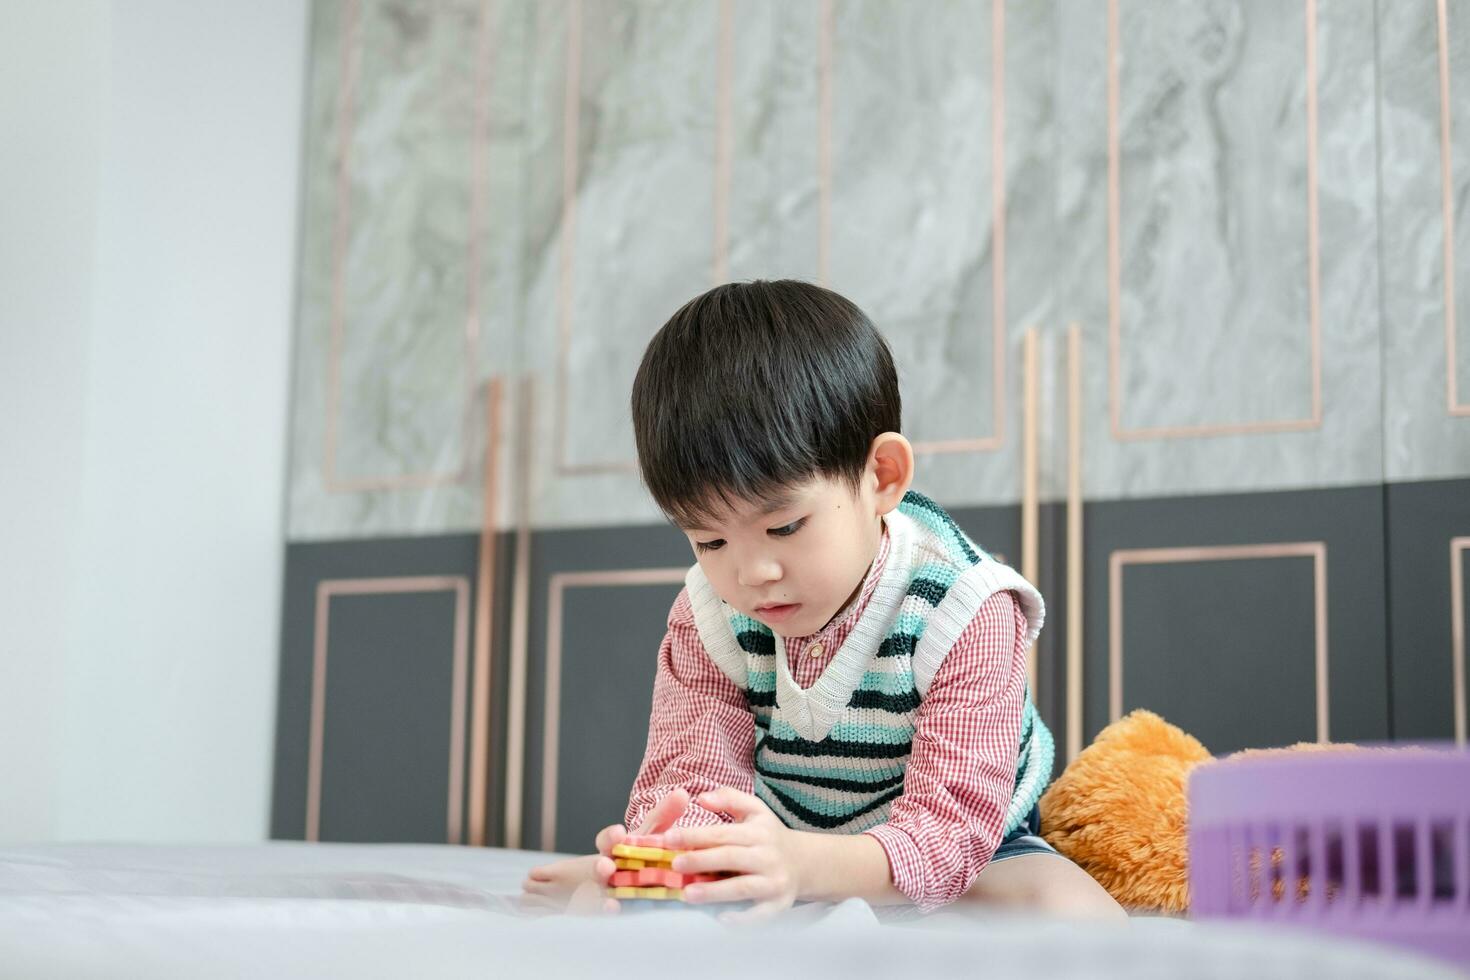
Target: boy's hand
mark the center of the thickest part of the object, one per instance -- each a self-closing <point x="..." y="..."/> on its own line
<point x="576" y="885"/>
<point x="763" y="850"/>
<point x="663" y="816"/>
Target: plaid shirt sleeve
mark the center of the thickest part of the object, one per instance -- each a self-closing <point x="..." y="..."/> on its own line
<point x="701" y="734"/>
<point x="960" y="776"/>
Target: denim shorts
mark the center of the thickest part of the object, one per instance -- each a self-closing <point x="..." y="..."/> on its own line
<point x="1025" y="839"/>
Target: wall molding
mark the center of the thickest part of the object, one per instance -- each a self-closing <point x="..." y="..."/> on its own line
<point x="1121" y="559"/>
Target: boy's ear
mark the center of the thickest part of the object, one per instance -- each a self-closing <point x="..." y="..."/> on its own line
<point x="891" y="465"/>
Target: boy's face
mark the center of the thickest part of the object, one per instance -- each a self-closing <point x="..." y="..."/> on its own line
<point x="793" y="563"/>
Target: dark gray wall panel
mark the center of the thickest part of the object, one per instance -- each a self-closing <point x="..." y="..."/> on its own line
<point x="611" y="635"/>
<point x="372" y="674"/>
<point x="1423" y="518"/>
<point x="617" y="651"/>
<point x="386" y="739"/>
<point x="1215" y="631"/>
<point x="1225" y="649"/>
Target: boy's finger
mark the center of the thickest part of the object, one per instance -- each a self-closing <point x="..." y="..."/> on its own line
<point x="714" y="835"/>
<point x="732" y="802"/>
<point x="665" y="812"/>
<point x="741" y="888"/>
<point x="603" y="869"/>
<point x="714" y="859"/>
<point x="610" y="837"/>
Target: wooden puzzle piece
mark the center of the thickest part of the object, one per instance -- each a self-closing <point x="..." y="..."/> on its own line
<point x="658" y="894"/>
<point x="644" y="853"/>
<point x="644" y="840"/>
<point x="633" y="864"/>
<point x="657" y="877"/>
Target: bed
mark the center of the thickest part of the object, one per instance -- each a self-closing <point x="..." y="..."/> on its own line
<point x="289" y="909"/>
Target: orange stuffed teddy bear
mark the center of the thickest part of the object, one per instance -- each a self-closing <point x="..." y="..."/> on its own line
<point x="1120" y="810"/>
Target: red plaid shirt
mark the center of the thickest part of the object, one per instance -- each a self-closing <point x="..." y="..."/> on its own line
<point x="947" y="824"/>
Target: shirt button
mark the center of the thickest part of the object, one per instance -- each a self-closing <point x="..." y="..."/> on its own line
<point x="816" y="650"/>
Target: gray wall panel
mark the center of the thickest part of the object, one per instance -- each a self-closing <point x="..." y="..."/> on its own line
<point x="1224" y="649"/>
<point x="624" y="661"/>
<point x="1424" y="520"/>
<point x="611" y="635"/>
<point x="307" y="565"/>
<point x="385" y="765"/>
<point x="1349" y="521"/>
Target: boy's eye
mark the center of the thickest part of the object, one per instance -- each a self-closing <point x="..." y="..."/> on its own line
<point x="715" y="545"/>
<point x="788" y="530"/>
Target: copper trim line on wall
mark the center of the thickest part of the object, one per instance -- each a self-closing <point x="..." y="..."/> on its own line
<point x="827" y="30"/>
<point x="350" y="42"/>
<point x="724" y="140"/>
<point x="551" y="730"/>
<point x="1030" y="502"/>
<point x="1459" y="548"/>
<point x="1315" y="550"/>
<point x="1115" y="385"/>
<point x="1446" y="168"/>
<point x="326" y="590"/>
<point x="515" y="725"/>
<point x="1074" y="541"/>
<point x="480" y="735"/>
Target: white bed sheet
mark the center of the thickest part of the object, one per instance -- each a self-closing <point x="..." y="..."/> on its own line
<point x="430" y="911"/>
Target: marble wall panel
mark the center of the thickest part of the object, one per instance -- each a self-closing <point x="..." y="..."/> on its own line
<point x="1424" y="55"/>
<point x="636" y="147"/>
<point x="1190" y="219"/>
<point x="951" y="172"/>
<point x="912" y="224"/>
<point x="1455" y="95"/>
<point x="413" y="164"/>
<point x="938" y="215"/>
<point x="850" y="132"/>
<point x="1203" y="188"/>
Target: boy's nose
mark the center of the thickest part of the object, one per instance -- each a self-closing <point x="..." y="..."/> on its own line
<point x="758" y="572"/>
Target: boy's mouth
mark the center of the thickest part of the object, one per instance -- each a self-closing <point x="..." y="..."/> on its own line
<point x="777" y="611"/>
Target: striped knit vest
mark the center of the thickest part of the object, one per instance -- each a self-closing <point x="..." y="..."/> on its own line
<point x="831" y="758"/>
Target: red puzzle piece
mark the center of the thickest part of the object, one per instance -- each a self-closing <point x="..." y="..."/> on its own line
<point x="656" y="878"/>
<point x="644" y="840"/>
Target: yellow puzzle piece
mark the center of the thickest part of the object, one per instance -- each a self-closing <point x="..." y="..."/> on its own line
<point x="633" y="864"/>
<point x="656" y="893"/>
<point x="643" y="853"/>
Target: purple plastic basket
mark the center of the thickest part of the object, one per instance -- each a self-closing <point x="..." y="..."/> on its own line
<point x="1372" y="843"/>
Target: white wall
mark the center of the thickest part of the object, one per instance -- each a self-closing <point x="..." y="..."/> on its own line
<point x="146" y="297"/>
<point x="52" y="60"/>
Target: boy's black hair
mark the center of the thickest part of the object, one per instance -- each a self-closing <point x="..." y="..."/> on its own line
<point x="754" y="387"/>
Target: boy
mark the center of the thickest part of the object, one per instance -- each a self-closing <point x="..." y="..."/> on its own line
<point x="842" y="688"/>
